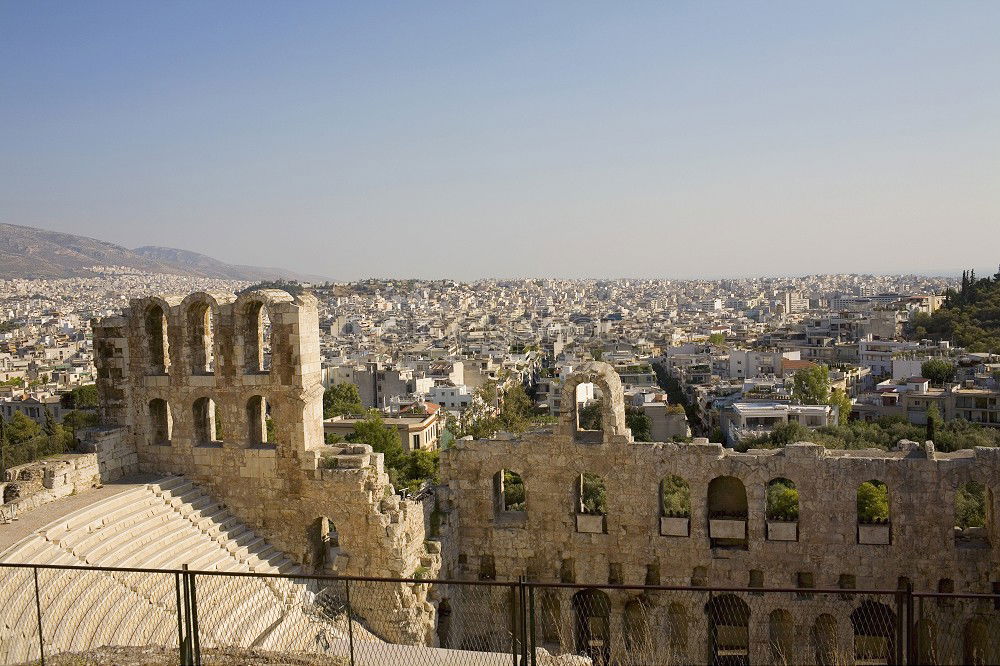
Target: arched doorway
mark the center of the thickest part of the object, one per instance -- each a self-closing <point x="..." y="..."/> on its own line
<point x="592" y="610"/>
<point x="729" y="631"/>
<point x="874" y="627"/>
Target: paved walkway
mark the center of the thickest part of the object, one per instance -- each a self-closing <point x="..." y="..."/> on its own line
<point x="37" y="518"/>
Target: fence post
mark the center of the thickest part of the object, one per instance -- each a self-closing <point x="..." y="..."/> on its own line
<point x="514" y="628"/>
<point x="196" y="642"/>
<point x="531" y="626"/>
<point x="522" y="600"/>
<point x="900" y="625"/>
<point x="911" y="626"/>
<point x="350" y="622"/>
<point x="181" y="650"/>
<point x="38" y="610"/>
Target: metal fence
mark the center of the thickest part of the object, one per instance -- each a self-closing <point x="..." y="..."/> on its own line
<point x="206" y="617"/>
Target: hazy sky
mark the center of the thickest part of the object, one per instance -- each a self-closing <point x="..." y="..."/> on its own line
<point x="465" y="139"/>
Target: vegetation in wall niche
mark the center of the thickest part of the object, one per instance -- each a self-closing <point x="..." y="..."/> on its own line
<point x="873" y="503"/>
<point x="593" y="496"/>
<point x="782" y="501"/>
<point x="513" y="491"/>
<point x="675" y="496"/>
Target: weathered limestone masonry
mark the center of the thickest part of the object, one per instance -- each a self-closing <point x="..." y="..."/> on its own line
<point x="36" y="483"/>
<point x="545" y="543"/>
<point x="192" y="386"/>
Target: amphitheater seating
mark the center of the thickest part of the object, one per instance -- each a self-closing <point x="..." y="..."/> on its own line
<point x="165" y="525"/>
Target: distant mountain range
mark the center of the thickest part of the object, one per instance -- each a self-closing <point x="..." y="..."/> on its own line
<point x="28" y="252"/>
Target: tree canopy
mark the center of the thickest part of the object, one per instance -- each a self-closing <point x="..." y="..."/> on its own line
<point x="341" y="400"/>
<point x="938" y="370"/>
<point x="811" y="386"/>
<point x="970" y="317"/>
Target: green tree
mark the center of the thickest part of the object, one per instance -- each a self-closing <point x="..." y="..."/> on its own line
<point x="515" y="411"/>
<point x="938" y="370"/>
<point x="933" y="420"/>
<point x="49" y="427"/>
<point x="341" y="400"/>
<point x="82" y="397"/>
<point x="597" y="353"/>
<point x="811" y="386"/>
<point x="840" y="400"/>
<point x="373" y="431"/>
<point x="513" y="491"/>
<point x="873" y="502"/>
<point x="21" y="429"/>
<point x="717" y="339"/>
<point x="78" y="420"/>
<point x="640" y="425"/>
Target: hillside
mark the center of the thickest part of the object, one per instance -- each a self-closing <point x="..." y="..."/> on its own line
<point x="29" y="252"/>
<point x="969" y="318"/>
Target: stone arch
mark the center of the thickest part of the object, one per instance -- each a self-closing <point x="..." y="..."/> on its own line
<point x="636" y="623"/>
<point x="160" y="422"/>
<point x="874" y="633"/>
<point x="256" y="311"/>
<point x="592" y="625"/>
<point x="978" y="648"/>
<point x="606" y="380"/>
<point x="203" y="414"/>
<point x="258" y="418"/>
<point x="200" y="313"/>
<point x="781" y="636"/>
<point x="824" y="637"/>
<point x="508" y="492"/>
<point x="727" y="512"/>
<point x="155" y="330"/>
<point x="729" y="630"/>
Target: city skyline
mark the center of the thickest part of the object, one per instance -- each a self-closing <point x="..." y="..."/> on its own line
<point x="475" y="141"/>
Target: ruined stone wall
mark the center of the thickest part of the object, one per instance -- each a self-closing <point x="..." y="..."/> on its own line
<point x="543" y="541"/>
<point x="108" y="458"/>
<point x="187" y="380"/>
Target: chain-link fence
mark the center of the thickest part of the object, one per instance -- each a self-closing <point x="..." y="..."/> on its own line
<point x="199" y="617"/>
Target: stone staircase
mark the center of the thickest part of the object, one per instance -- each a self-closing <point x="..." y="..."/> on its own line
<point x="165" y="524"/>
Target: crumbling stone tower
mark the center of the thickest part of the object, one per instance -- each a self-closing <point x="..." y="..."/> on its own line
<point x="226" y="390"/>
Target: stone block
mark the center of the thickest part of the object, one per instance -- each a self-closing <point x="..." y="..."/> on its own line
<point x="874" y="534"/>
<point x="672" y="526"/>
<point x="727" y="528"/>
<point x="780" y="530"/>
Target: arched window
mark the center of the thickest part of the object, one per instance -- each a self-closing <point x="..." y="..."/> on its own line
<point x="978" y="645"/>
<point x="260" y="428"/>
<point x="675" y="507"/>
<point x="874" y="633"/>
<point x="257" y="337"/>
<point x="160" y="423"/>
<point x="727" y="512"/>
<point x="782" y="510"/>
<point x="635" y="626"/>
<point x="873" y="513"/>
<point x="592" y="626"/>
<point x="591" y="504"/>
<point x="203" y="413"/>
<point x="971" y="510"/>
<point x="157" y="345"/>
<point x="729" y="629"/>
<point x="781" y="634"/>
<point x="589" y="413"/>
<point x="201" y="339"/>
<point x="508" y="491"/>
<point x="824" y="635"/>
